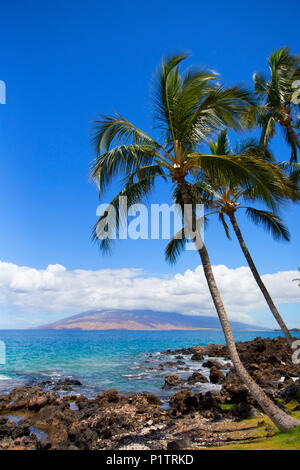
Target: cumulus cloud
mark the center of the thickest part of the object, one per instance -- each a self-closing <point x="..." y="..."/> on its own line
<point x="58" y="290"/>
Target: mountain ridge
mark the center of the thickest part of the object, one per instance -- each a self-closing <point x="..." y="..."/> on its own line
<point x="119" y="319"/>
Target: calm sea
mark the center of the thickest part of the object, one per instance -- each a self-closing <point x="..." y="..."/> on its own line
<point x="101" y="359"/>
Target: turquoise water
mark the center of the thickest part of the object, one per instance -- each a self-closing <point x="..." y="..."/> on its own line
<point x="100" y="359"/>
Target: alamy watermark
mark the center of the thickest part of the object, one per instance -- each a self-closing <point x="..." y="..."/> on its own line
<point x="158" y="221"/>
<point x="2" y="92"/>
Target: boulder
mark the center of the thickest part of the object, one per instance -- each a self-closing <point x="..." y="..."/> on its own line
<point x="244" y="410"/>
<point x="179" y="444"/>
<point x="109" y="396"/>
<point x="212" y="363"/>
<point x="172" y="381"/>
<point x="234" y="391"/>
<point x="186" y="401"/>
<point x="291" y="393"/>
<point x="196" y="377"/>
<point x="197" y="356"/>
<point x="216" y="376"/>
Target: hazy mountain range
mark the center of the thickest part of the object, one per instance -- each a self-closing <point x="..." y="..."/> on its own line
<point x="117" y="319"/>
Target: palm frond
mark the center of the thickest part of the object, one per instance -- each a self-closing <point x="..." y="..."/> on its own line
<point x="225" y="225"/>
<point x="222" y="146"/>
<point x="178" y="243"/>
<point x="243" y="171"/>
<point x="271" y="222"/>
<point x="113" y="218"/>
<point x="260" y="84"/>
<point x="121" y="160"/>
<point x="175" y="247"/>
<point x="222" y="107"/>
<point x="117" y="129"/>
<point x="166" y="92"/>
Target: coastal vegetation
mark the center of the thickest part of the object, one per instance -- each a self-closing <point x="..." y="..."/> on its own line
<point x="279" y="100"/>
<point x="189" y="110"/>
<point x="223" y="198"/>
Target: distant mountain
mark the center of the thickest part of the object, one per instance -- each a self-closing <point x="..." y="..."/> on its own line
<point x="118" y="319"/>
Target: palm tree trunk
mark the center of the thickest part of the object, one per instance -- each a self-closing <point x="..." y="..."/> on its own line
<point x="283" y="421"/>
<point x="258" y="278"/>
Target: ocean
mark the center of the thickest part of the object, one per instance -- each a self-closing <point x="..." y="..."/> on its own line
<point x="103" y="359"/>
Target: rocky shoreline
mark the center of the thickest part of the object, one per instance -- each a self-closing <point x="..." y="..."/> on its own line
<point x="41" y="417"/>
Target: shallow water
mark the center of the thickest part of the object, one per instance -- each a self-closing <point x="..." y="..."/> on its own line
<point x="102" y="359"/>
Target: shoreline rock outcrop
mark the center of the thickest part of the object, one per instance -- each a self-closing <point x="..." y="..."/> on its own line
<point x="33" y="417"/>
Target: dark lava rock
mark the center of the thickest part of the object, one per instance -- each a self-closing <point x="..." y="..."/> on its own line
<point x="179" y="444"/>
<point x="196" y="377"/>
<point x="168" y="364"/>
<point x="182" y="351"/>
<point x="14" y="431"/>
<point x="234" y="391"/>
<point x="244" y="410"/>
<point x="187" y="402"/>
<point x="109" y="396"/>
<point x="172" y="381"/>
<point x="216" y="376"/>
<point x="150" y="399"/>
<point x="291" y="392"/>
<point x="43" y="444"/>
<point x="32" y="398"/>
<point x="4" y="402"/>
<point x="66" y="445"/>
<point x="212" y="363"/>
<point x="63" y="387"/>
<point x="66" y="384"/>
<point x="60" y="384"/>
<point x="197" y="356"/>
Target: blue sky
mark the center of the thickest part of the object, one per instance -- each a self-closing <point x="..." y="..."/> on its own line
<point x="63" y="63"/>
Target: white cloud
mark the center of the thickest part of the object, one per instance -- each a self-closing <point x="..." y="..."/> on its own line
<point x="57" y="290"/>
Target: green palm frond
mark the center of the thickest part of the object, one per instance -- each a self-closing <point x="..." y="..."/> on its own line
<point x="178" y="243"/>
<point x="222" y="146"/>
<point x="113" y="218"/>
<point x="166" y="94"/>
<point x="117" y="129"/>
<point x="189" y="109"/>
<point x="271" y="222"/>
<point x="293" y="171"/>
<point x="260" y="84"/>
<point x="276" y="103"/>
<point x="121" y="160"/>
<point x="224" y="224"/>
<point x="244" y="171"/>
<point x="282" y="60"/>
<point x="252" y="115"/>
<point x="222" y="107"/>
<point x="175" y="247"/>
<point x="268" y="129"/>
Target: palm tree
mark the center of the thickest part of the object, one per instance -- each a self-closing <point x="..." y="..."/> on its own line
<point x="225" y="198"/>
<point x="188" y="110"/>
<point x="279" y="105"/>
